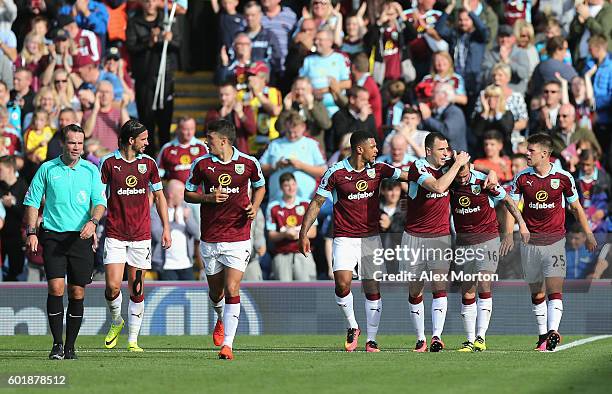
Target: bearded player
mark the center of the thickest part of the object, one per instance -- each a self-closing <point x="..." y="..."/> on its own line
<point x="478" y="248"/>
<point x="129" y="176"/>
<point x="354" y="183"/>
<point x="546" y="189"/>
<point x="226" y="214"/>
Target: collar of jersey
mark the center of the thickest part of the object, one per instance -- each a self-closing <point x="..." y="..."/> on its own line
<point x="119" y="157"/>
<point x="78" y="163"/>
<point x="349" y="167"/>
<point x="296" y="202"/>
<point x="553" y="170"/>
<point x="215" y="159"/>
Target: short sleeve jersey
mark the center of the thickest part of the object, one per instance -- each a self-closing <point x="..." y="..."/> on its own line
<point x="226" y="221"/>
<point x="356" y="197"/>
<point x="544" y="202"/>
<point x="473" y="209"/>
<point x="128" y="183"/>
<point x="174" y="160"/>
<point x="428" y="213"/>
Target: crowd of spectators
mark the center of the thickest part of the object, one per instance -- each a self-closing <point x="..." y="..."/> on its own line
<point x="296" y="78"/>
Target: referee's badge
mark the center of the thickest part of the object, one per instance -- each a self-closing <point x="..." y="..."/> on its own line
<point x="555" y="183"/>
<point x="142" y="168"/>
<point x="371" y="172"/>
<point x="194" y="150"/>
<point x="300" y="210"/>
<point x="239" y="168"/>
<point x="476" y="189"/>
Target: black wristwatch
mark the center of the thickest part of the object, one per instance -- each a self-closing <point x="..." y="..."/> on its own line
<point x="30" y="231"/>
<point x="94" y="221"/>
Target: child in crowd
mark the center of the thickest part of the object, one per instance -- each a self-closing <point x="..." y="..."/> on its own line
<point x="37" y="136"/>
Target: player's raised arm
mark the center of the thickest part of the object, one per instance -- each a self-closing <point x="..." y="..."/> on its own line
<point x="309" y="218"/>
<point x="442" y="184"/>
<point x="576" y="209"/>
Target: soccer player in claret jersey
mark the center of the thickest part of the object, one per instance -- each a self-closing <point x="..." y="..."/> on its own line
<point x="545" y="189"/>
<point x="226" y="213"/>
<point x="427" y="234"/>
<point x="478" y="248"/>
<point x="129" y="175"/>
<point x="354" y="185"/>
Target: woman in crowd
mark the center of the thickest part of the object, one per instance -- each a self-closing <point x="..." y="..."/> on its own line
<point x="34" y="56"/>
<point x="442" y="71"/>
<point x="47" y="100"/>
<point x="63" y="88"/>
<point x="515" y="102"/>
<point x="525" y="39"/>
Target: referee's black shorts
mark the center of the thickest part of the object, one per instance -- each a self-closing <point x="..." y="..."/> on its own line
<point x="66" y="253"/>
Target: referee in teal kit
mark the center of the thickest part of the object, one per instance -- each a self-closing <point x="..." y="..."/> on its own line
<point x="74" y="203"/>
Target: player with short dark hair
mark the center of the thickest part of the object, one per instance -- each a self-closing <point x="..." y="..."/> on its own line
<point x="545" y="189"/>
<point x="354" y="184"/>
<point x="226" y="214"/>
<point x="129" y="176"/>
<point x="478" y="248"/>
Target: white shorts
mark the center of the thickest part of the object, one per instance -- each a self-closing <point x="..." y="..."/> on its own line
<point x="543" y="261"/>
<point x="135" y="253"/>
<point x="425" y="254"/>
<point x="217" y="255"/>
<point x="357" y="255"/>
<point x="471" y="259"/>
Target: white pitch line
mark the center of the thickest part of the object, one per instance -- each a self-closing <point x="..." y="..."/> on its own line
<point x="581" y="342"/>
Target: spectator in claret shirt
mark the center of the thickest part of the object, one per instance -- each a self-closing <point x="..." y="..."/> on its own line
<point x="283" y="221"/>
<point x="176" y="157"/>
<point x="361" y="77"/>
<point x="593" y="186"/>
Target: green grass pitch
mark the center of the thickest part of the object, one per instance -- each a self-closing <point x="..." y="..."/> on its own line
<point x="311" y="364"/>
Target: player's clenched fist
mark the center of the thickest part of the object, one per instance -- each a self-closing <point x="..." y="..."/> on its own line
<point x="462" y="158"/>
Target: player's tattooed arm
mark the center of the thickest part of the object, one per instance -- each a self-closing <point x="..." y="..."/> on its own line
<point x="576" y="209"/>
<point x="309" y="218"/>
